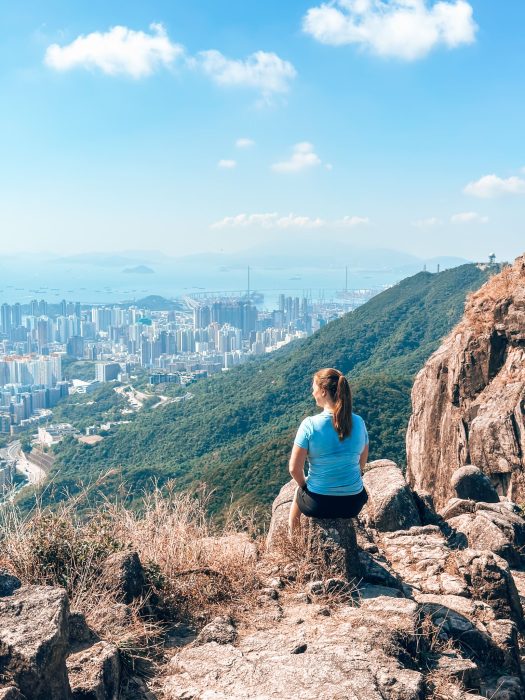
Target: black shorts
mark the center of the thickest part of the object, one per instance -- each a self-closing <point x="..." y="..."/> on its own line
<point x="316" y="505"/>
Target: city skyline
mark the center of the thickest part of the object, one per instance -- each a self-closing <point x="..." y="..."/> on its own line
<point x="203" y="128"/>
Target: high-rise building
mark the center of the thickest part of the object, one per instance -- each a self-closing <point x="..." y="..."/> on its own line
<point x="16" y="315"/>
<point x="106" y="371"/>
<point x="5" y="319"/>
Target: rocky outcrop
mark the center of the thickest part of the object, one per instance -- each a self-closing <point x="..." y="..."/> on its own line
<point x="470" y="483"/>
<point x="390" y="503"/>
<point x="301" y="657"/>
<point x="34" y="639"/>
<point x="468" y="401"/>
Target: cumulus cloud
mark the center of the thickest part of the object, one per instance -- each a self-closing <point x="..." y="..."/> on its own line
<point x="120" y="51"/>
<point x="427" y="223"/>
<point x="469" y="217"/>
<point x="288" y="221"/>
<point x="303" y="156"/>
<point x="244" y="143"/>
<point x="490" y="186"/>
<point x="227" y="164"/>
<point x="406" y="29"/>
<point x="124" y="51"/>
<point x="264" y="71"/>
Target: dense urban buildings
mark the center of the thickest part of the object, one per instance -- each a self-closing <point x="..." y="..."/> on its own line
<point x="198" y="337"/>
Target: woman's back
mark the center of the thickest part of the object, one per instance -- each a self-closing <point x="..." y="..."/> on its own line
<point x="333" y="463"/>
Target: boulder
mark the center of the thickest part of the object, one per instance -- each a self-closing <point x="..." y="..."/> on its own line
<point x="470" y="483"/>
<point x="34" y="636"/>
<point x="220" y="630"/>
<point x="123" y="573"/>
<point x="457" y="506"/>
<point x="334" y="539"/>
<point x="8" y="583"/>
<point x="95" y="672"/>
<point x="493" y="527"/>
<point x="490" y="579"/>
<point x="390" y="503"/>
<point x="280" y="514"/>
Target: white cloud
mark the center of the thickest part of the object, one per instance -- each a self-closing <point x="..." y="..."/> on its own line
<point x="244" y="143"/>
<point x="427" y="223"/>
<point x="120" y="51"/>
<point x="469" y="217"/>
<point x="303" y="156"/>
<point x="277" y="221"/>
<point x="263" y="71"/>
<point x="352" y="221"/>
<point x="406" y="29"/>
<point x="490" y="186"/>
<point x="124" y="51"/>
<point x="228" y="164"/>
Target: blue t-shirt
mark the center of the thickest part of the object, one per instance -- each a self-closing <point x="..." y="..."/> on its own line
<point x="333" y="464"/>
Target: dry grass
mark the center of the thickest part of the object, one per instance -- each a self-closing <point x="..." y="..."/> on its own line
<point x="190" y="575"/>
<point x="480" y="306"/>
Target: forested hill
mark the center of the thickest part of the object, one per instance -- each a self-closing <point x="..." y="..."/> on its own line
<point x="235" y="434"/>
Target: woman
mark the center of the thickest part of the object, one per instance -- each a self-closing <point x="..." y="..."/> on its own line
<point x="336" y="444"/>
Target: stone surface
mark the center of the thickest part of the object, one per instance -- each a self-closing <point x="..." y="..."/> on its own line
<point x="124" y="573"/>
<point x="470" y="483"/>
<point x="390" y="503"/>
<point x="11" y="693"/>
<point x="421" y="558"/>
<point x="336" y="663"/>
<point x="33" y="641"/>
<point x="335" y="541"/>
<point x="95" y="672"/>
<point x="490" y="580"/>
<point x="468" y="400"/>
<point x="494" y="527"/>
<point x="8" y="583"/>
<point x="463" y="670"/>
<point x="457" y="506"/>
<point x="280" y="513"/>
<point x="219" y="630"/>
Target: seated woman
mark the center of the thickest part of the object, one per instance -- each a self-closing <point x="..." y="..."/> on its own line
<point x="335" y="442"/>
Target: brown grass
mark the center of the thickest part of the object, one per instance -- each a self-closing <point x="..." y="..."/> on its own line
<point x="190" y="576"/>
<point x="480" y="305"/>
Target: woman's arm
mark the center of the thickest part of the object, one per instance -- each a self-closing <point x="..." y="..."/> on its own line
<point x="296" y="464"/>
<point x="363" y="458"/>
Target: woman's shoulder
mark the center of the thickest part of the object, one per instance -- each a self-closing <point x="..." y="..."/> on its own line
<point x="357" y="420"/>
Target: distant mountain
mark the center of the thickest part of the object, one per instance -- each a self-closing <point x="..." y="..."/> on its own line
<point x="323" y="253"/>
<point x="154" y="302"/>
<point x="120" y="259"/>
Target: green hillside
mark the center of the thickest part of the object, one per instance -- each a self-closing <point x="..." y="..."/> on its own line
<point x="235" y="434"/>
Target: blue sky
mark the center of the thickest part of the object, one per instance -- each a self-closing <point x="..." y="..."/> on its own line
<point x="201" y="125"/>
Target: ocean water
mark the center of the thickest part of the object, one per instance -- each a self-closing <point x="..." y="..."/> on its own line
<point x="88" y="283"/>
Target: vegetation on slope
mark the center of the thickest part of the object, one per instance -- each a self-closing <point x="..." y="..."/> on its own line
<point x="236" y="432"/>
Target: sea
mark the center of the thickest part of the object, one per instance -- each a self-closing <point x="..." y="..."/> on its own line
<point x="21" y="281"/>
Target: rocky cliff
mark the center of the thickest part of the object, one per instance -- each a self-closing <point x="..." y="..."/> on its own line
<point x="468" y="401"/>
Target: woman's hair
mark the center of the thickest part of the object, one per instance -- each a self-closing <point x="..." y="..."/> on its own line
<point x="336" y="385"/>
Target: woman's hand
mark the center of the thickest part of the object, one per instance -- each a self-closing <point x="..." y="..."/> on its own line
<point x="296" y="464"/>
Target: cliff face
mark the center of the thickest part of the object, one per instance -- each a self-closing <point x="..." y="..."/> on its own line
<point x="468" y="401"/>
